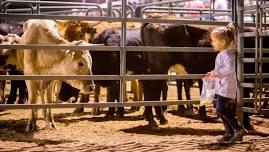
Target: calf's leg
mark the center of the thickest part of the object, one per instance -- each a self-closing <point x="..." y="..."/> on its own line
<point x="13" y="92"/>
<point x="181" y="108"/>
<point x="152" y="91"/>
<point x="187" y="87"/>
<point x="49" y="99"/>
<point x="33" y="94"/>
<point x="23" y="93"/>
<point x="96" y="110"/>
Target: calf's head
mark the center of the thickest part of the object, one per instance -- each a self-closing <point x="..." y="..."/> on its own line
<point x="79" y="63"/>
<point x="76" y="30"/>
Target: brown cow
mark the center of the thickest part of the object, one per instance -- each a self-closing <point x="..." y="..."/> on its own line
<point x="81" y="30"/>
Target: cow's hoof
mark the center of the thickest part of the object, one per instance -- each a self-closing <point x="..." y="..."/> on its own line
<point x="189" y="112"/>
<point x="119" y="115"/>
<point x="153" y="124"/>
<point x="181" y="109"/>
<point x="78" y="110"/>
<point x="109" y="116"/>
<point x="164" y="108"/>
<point x="96" y="111"/>
<point x="202" y="114"/>
<point x="31" y="126"/>
<point x="163" y="121"/>
<point x="249" y="128"/>
<point x="51" y="126"/>
<point x="201" y="117"/>
<point x="21" y="101"/>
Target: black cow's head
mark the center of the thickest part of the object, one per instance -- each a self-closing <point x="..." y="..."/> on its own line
<point x="8" y="56"/>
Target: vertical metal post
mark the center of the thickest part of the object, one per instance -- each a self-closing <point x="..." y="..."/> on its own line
<point x="123" y="53"/>
<point x="138" y="12"/>
<point x="1" y="10"/>
<point x="256" y="90"/>
<point x="260" y="55"/>
<point x="109" y="8"/>
<point x="234" y="16"/>
<point x="240" y="65"/>
<point x="1" y="2"/>
<point x="210" y="10"/>
<point x="213" y="10"/>
<point x="38" y="8"/>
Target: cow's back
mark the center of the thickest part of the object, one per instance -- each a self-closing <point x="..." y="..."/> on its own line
<point x="176" y="36"/>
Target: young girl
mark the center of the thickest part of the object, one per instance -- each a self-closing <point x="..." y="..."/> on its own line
<point x="223" y="38"/>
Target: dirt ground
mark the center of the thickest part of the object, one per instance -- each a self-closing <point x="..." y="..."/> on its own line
<point x="85" y="132"/>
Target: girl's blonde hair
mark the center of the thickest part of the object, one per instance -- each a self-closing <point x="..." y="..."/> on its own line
<point x="227" y="33"/>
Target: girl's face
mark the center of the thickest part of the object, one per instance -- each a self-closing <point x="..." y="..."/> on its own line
<point x="218" y="45"/>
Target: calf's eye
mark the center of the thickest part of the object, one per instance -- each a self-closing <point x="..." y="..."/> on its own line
<point x="80" y="64"/>
<point x="80" y="35"/>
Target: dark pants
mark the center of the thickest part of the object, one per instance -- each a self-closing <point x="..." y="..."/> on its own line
<point x="15" y="86"/>
<point x="227" y="111"/>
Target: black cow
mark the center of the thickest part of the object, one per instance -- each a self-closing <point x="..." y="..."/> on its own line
<point x="159" y="62"/>
<point x="14" y="28"/>
<point x="11" y="27"/>
<point x="108" y="63"/>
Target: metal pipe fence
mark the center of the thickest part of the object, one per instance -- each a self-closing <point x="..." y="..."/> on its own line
<point x="123" y="49"/>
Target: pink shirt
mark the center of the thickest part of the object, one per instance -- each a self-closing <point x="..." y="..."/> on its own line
<point x="226" y="83"/>
<point x="194" y="4"/>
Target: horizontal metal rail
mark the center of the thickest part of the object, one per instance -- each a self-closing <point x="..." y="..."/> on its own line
<point x="250" y="100"/>
<point x="256" y="111"/>
<point x="54" y="3"/>
<point x="252" y="85"/>
<point x="161" y="3"/>
<point x="66" y="12"/>
<point x="100" y="105"/>
<point x="95" y="47"/>
<point x="102" y="77"/>
<point x="51" y="7"/>
<point x="252" y="7"/>
<point x="264" y="75"/>
<point x="183" y="9"/>
<point x="114" y="77"/>
<point x="205" y="14"/>
<point x="112" y="19"/>
<point x="252" y="50"/>
<point x="253" y="60"/>
<point x="253" y="34"/>
<point x="58" y="17"/>
<point x="101" y="47"/>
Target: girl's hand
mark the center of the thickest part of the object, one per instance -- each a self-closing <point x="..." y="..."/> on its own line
<point x="207" y="76"/>
<point x="211" y="75"/>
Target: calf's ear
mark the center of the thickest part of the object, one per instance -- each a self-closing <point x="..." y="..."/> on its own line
<point x="60" y="24"/>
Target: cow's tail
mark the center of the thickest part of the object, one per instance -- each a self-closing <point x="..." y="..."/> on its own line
<point x="142" y="33"/>
<point x="144" y="54"/>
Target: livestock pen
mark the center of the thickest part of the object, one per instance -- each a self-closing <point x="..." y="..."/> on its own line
<point x="123" y="49"/>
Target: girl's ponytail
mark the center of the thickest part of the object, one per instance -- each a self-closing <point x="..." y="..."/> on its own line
<point x="232" y="34"/>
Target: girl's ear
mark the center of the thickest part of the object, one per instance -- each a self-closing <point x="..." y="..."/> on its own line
<point x="223" y="42"/>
